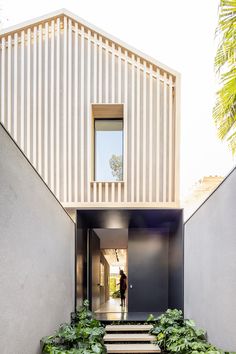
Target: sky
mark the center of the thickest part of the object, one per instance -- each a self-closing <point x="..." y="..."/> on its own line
<point x="180" y="34"/>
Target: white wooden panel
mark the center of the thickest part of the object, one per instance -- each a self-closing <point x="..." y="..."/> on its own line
<point x="58" y="111"/>
<point x="15" y="102"/>
<point x="95" y="70"/>
<point x="177" y="138"/>
<point x="100" y="71"/>
<point x="119" y="75"/>
<point x="137" y="123"/>
<point x="106" y="192"/>
<point x="164" y="157"/>
<point x="65" y="103"/>
<point x="144" y="131"/>
<point x="150" y="151"/>
<point x="22" y="88"/>
<point x="94" y="191"/>
<point x="89" y="115"/>
<point x="3" y="80"/>
<point x="106" y="72"/>
<point x="113" y="74"/>
<point x="125" y="122"/>
<point x="46" y="101"/>
<point x="9" y="82"/>
<point x="76" y="113"/>
<point x="34" y="123"/>
<point x="132" y="157"/>
<point x="112" y="192"/>
<point x="170" y="142"/>
<point x="28" y="93"/>
<point x="51" y="91"/>
<point x="119" y="192"/>
<point x="158" y="138"/>
<point x="69" y="156"/>
<point x="40" y="93"/>
<point x="82" y="117"/>
<point x="52" y="107"/>
<point x="100" y="192"/>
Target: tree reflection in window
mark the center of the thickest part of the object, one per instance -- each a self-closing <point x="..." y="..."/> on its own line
<point x="109" y="149"/>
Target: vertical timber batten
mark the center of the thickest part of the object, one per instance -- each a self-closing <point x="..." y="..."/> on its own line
<point x="65" y="120"/>
<point x="40" y="93"/>
<point x="89" y="118"/>
<point x="46" y="102"/>
<point x="35" y="97"/>
<point x="58" y="111"/>
<point x="150" y="163"/>
<point x="52" y="109"/>
<point x="82" y="117"/>
<point x="158" y="134"/>
<point x="3" y="80"/>
<point x="15" y="118"/>
<point x="22" y="103"/>
<point x="52" y="72"/>
<point x="76" y="115"/>
<point x="69" y="190"/>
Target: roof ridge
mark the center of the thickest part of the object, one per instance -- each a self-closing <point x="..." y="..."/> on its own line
<point x="83" y="22"/>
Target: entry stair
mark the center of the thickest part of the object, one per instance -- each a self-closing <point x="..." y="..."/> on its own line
<point x="130" y="338"/>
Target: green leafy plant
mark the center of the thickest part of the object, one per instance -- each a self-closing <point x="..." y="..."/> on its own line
<point x="83" y="336"/>
<point x="174" y="334"/>
<point x="224" y="112"/>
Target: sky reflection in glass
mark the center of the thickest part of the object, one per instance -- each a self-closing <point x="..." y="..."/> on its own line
<point x="108" y="142"/>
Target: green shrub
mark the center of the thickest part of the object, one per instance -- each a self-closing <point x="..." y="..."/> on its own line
<point x="83" y="336"/>
<point x="174" y="334"/>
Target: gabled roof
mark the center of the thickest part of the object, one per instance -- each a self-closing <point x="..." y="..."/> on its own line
<point x="64" y="12"/>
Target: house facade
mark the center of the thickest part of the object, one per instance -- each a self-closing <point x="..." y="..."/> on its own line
<point x="59" y="76"/>
<point x="100" y="123"/>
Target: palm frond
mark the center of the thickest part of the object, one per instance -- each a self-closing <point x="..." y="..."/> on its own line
<point x="224" y="112"/>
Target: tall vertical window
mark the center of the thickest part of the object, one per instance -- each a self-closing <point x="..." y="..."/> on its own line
<point x="108" y="135"/>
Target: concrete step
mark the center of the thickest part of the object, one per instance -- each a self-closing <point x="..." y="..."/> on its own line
<point x="129" y="337"/>
<point x="132" y="348"/>
<point x="128" y="328"/>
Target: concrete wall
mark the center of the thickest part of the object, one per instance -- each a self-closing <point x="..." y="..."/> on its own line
<point x="210" y="265"/>
<point x="36" y="255"/>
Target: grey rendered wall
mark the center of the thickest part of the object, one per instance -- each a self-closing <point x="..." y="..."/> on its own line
<point x="210" y="265"/>
<point x="36" y="255"/>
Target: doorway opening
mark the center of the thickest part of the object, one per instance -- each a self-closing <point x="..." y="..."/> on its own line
<point x="153" y="240"/>
<point x="108" y="256"/>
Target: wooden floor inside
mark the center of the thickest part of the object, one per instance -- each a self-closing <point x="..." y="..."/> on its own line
<point x="124" y="316"/>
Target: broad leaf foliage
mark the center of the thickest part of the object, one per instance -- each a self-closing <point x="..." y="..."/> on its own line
<point x="224" y="112"/>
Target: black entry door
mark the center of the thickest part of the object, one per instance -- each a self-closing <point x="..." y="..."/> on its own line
<point x="148" y="270"/>
<point x="94" y="271"/>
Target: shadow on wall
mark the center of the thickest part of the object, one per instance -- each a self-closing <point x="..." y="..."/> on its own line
<point x="36" y="255"/>
<point x="210" y="267"/>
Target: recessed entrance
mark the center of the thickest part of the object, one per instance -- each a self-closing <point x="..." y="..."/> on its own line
<point x="146" y="244"/>
<point x="108" y="256"/>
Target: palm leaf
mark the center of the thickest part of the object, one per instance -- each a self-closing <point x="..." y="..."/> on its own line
<point x="224" y="112"/>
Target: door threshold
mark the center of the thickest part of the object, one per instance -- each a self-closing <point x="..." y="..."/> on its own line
<point x="124" y="316"/>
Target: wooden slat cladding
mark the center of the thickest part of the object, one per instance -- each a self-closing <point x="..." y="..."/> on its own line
<point x="52" y="74"/>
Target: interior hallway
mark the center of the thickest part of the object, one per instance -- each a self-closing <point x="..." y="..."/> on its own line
<point x="112" y="305"/>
